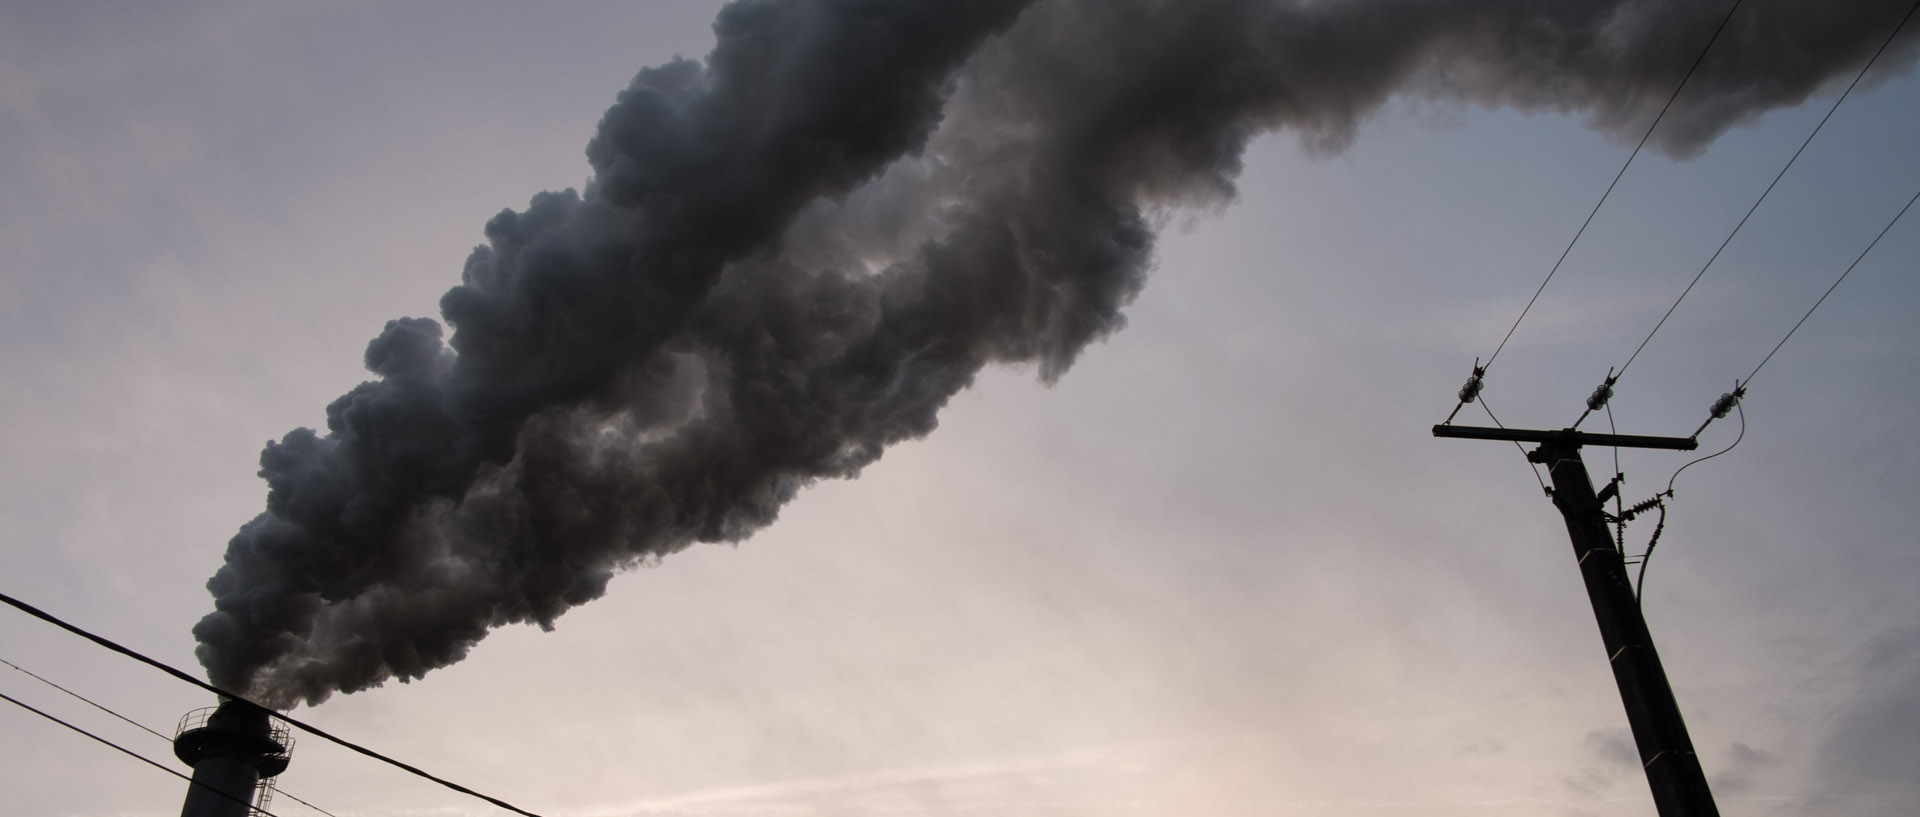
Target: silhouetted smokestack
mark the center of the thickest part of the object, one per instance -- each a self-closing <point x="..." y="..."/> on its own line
<point x="793" y="253"/>
<point x="231" y="748"/>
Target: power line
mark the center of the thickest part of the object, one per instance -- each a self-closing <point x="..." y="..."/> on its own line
<point x="1836" y="284"/>
<point x="289" y="796"/>
<point x="288" y="719"/>
<point x="84" y="700"/>
<point x="1480" y="371"/>
<point x="1640" y="583"/>
<point x="1736" y="441"/>
<point x="1731" y="400"/>
<point x="149" y="730"/>
<point x="1605" y="388"/>
<point x="1535" y="467"/>
<point x="135" y="755"/>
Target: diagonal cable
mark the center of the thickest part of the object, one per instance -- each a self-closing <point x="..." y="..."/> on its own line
<point x="1479" y="371"/>
<point x="287" y="719"/>
<point x="1616" y="178"/>
<point x="1770" y="185"/>
<point x="1830" y="289"/>
<point x="135" y="755"/>
<point x="83" y="699"/>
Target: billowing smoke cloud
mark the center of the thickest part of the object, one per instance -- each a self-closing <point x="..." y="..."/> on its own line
<point x="794" y="252"/>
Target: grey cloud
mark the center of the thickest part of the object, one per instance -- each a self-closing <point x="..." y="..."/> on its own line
<point x="1743" y="764"/>
<point x="1614" y="746"/>
<point x="1873" y="745"/>
<point x="1613" y="759"/>
<point x="795" y="251"/>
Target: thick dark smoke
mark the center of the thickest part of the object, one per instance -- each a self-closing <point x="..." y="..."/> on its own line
<point x="794" y="252"/>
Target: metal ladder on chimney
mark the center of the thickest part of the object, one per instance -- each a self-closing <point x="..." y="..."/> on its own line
<point x="265" y="798"/>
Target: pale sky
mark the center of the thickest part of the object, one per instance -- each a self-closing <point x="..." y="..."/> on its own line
<point x="1220" y="568"/>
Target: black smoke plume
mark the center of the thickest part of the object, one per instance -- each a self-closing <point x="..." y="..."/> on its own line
<point x="794" y="252"/>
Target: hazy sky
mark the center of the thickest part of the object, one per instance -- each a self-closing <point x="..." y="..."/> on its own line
<point x="1221" y="567"/>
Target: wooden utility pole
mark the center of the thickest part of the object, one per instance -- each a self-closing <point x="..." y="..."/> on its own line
<point x="1666" y="753"/>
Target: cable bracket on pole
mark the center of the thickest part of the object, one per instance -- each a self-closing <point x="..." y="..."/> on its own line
<point x="1612" y="489"/>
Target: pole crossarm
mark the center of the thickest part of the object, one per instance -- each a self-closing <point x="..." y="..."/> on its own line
<point x="1566" y="436"/>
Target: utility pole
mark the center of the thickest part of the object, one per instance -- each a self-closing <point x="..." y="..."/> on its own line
<point x="1666" y="753"/>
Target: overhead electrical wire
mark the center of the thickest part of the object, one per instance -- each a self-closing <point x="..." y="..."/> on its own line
<point x="1834" y="286"/>
<point x="1619" y="479"/>
<point x="1474" y="383"/>
<point x="284" y="793"/>
<point x="287" y="719"/>
<point x="135" y="755"/>
<point x="1736" y="441"/>
<point x="1523" y="449"/>
<point x="1605" y="389"/>
<point x="1640" y="582"/>
<point x="1731" y="400"/>
<point x="84" y="699"/>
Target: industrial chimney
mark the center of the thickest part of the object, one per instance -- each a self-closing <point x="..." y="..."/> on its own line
<point x="231" y="748"/>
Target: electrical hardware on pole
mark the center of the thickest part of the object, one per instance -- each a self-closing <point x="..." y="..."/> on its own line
<point x="1666" y="752"/>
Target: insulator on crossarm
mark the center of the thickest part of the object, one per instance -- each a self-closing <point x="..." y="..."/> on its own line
<point x="1724" y="406"/>
<point x="1478" y="381"/>
<point x="1601" y="394"/>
